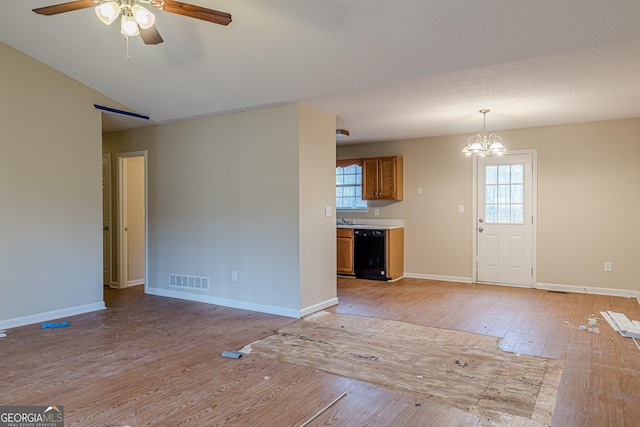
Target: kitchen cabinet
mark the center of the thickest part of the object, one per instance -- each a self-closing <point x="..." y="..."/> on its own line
<point x="395" y="253"/>
<point x="345" y="250"/>
<point x="382" y="178"/>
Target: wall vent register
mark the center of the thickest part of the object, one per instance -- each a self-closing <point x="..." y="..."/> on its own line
<point x="189" y="282"/>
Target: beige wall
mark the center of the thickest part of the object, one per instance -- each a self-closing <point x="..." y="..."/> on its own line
<point x="223" y="196"/>
<point x="588" y="201"/>
<point x="317" y="156"/>
<point x="135" y="219"/>
<point x="50" y="181"/>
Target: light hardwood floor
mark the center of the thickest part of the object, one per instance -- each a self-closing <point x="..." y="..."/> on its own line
<point x="148" y="360"/>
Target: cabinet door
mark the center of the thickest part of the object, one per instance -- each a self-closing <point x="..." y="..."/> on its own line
<point x="345" y="255"/>
<point x="387" y="172"/>
<point x="369" y="179"/>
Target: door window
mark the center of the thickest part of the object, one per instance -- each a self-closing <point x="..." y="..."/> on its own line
<point x="504" y="194"/>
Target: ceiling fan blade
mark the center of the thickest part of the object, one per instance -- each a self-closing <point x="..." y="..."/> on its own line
<point x="64" y="7"/>
<point x="198" y="12"/>
<point x="151" y="35"/>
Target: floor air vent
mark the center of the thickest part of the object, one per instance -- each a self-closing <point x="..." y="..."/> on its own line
<point x="189" y="282"/>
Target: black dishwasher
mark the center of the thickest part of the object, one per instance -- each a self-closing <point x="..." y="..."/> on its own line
<point x="369" y="254"/>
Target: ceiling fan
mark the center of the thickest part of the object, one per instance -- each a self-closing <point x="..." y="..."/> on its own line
<point x="136" y="19"/>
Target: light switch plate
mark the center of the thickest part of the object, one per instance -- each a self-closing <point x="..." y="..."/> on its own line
<point x="327" y="211"/>
<point x="460" y="208"/>
<point x="419" y="190"/>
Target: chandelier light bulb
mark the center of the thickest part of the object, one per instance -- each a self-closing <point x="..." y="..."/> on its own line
<point x="143" y="17"/>
<point x="108" y="12"/>
<point x="129" y="26"/>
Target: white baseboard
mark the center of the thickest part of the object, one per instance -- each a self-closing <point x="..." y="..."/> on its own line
<point x="626" y="293"/>
<point x="135" y="282"/>
<point x="51" y="315"/>
<point x="317" y="307"/>
<point x="436" y="277"/>
<point x="207" y="299"/>
<point x="509" y="285"/>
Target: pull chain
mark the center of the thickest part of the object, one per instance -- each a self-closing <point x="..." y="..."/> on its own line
<point x="127" y="40"/>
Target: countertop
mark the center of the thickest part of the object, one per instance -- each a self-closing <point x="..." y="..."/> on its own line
<point x="371" y="224"/>
<point x="369" y="227"/>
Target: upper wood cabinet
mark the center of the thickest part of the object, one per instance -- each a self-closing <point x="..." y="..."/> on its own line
<point x="382" y="178"/>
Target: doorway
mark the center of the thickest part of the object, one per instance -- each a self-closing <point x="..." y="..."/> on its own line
<point x="107" y="258"/>
<point x="132" y="218"/>
<point x="505" y="190"/>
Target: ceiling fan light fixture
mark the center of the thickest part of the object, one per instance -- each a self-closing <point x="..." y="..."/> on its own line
<point x="143" y="17"/>
<point x="129" y="26"/>
<point x="108" y="12"/>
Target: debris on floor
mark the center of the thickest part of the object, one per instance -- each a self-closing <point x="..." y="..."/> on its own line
<point x="323" y="409"/>
<point x="232" y="354"/>
<point x="593" y="325"/>
<point x="54" y="325"/>
<point x="461" y="363"/>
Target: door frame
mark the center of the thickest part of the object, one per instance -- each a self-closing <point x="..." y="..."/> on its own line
<point x="534" y="225"/>
<point x="107" y="157"/>
<point x="123" y="262"/>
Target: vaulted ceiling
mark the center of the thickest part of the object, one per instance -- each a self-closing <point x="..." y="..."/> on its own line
<point x="388" y="70"/>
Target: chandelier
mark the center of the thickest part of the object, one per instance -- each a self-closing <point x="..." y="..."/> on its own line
<point x="483" y="144"/>
<point x="134" y="15"/>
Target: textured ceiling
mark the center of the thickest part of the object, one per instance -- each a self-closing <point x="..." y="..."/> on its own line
<point x="388" y="70"/>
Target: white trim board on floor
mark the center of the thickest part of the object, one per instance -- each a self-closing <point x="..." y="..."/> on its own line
<point x="51" y="315"/>
<point x="242" y="305"/>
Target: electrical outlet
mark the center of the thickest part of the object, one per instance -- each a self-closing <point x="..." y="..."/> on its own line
<point x="234" y="276"/>
<point x="607" y="266"/>
<point x="376" y="212"/>
<point x="419" y="190"/>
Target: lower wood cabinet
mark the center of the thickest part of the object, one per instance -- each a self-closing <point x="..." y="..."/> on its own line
<point x="394" y="253"/>
<point x="345" y="251"/>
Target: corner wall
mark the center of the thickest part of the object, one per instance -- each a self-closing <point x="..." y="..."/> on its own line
<point x="317" y="156"/>
<point x="51" y="214"/>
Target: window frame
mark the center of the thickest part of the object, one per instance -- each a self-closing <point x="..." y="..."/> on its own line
<point x="345" y="163"/>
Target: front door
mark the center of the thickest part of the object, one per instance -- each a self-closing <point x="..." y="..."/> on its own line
<point x="505" y="219"/>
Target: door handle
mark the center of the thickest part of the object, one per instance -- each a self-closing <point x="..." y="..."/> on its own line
<point x="480" y="229"/>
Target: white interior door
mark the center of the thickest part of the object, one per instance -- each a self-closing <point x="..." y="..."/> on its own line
<point x="505" y="219"/>
<point x="106" y="219"/>
<point x="124" y="219"/>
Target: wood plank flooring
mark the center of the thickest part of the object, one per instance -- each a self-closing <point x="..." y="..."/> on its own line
<point x="148" y="360"/>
